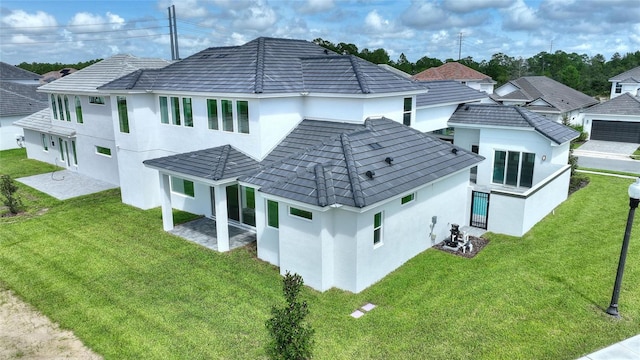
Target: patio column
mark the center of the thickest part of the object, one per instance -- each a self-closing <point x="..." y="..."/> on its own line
<point x="222" y="223"/>
<point x="165" y="194"/>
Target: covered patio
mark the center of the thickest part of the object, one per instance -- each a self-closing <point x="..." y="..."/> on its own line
<point x="202" y="231"/>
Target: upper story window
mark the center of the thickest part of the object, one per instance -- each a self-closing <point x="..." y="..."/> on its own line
<point x="243" y="116"/>
<point x="301" y="213"/>
<point x="99" y="100"/>
<point x="187" y="112"/>
<point x="513" y="168"/>
<point x="407" y="199"/>
<point x="66" y="108"/>
<point x="54" y="107"/>
<point x="175" y="110"/>
<point x="227" y="115"/>
<point x="618" y="88"/>
<point x="406" y="114"/>
<point x="78" y="110"/>
<point x="60" y="107"/>
<point x="123" y="115"/>
<point x="180" y="113"/>
<point x="164" y="110"/>
<point x="223" y="110"/>
<point x="212" y="114"/>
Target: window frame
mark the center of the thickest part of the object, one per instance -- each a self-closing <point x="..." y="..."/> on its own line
<point x="187" y="111"/>
<point x="96" y="100"/>
<point x="103" y="151"/>
<point x="186" y="188"/>
<point x="78" y="105"/>
<point x="164" y="109"/>
<point x="508" y="169"/>
<point x="300" y="213"/>
<point x="60" y="107"/>
<point x="54" y="107"/>
<point x="45" y="142"/>
<point x="269" y="206"/>
<point x="243" y="122"/>
<point x="227" y="122"/>
<point x="378" y="234"/>
<point x="407" y="111"/>
<point x="75" y="154"/>
<point x="123" y="114"/>
<point x="213" y="119"/>
<point x="408" y="199"/>
<point x="66" y="108"/>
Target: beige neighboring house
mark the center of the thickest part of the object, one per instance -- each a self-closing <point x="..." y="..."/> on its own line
<point x="460" y="73"/>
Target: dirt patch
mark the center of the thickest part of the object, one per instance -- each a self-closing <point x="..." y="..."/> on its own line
<point x="478" y="244"/>
<point x="27" y="334"/>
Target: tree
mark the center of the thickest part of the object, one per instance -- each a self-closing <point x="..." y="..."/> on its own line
<point x="8" y="190"/>
<point x="291" y="336"/>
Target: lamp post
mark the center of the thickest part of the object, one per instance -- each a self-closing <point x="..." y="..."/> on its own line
<point x="634" y="199"/>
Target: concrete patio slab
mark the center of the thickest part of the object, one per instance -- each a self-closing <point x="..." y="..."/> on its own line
<point x="65" y="184"/>
<point x="202" y="231"/>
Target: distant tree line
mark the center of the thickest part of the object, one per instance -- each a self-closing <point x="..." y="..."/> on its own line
<point x="587" y="74"/>
<point x="43" y="68"/>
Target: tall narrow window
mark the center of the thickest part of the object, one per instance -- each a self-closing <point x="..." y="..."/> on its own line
<point x="54" y="107"/>
<point x="61" y="149"/>
<point x="377" y="228"/>
<point x="406" y="114"/>
<point x="272" y="214"/>
<point x="227" y="115"/>
<point x="78" y="110"/>
<point x="526" y="173"/>
<point x="164" y="110"/>
<point x="175" y="110"/>
<point x="60" y="107"/>
<point x="513" y="162"/>
<point x="45" y="143"/>
<point x="513" y="168"/>
<point x="499" y="161"/>
<point x="123" y="115"/>
<point x="618" y="88"/>
<point x="212" y="113"/>
<point x="188" y="114"/>
<point x="243" y="116"/>
<point x="249" y="206"/>
<point x="75" y="156"/>
<point x="66" y="108"/>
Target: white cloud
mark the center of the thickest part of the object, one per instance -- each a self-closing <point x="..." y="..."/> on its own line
<point x="19" y="19"/>
<point x="259" y="17"/>
<point x="185" y="9"/>
<point x="470" y="6"/>
<point x="316" y="6"/>
<point x="85" y="21"/>
<point x="375" y="22"/>
<point x="520" y="17"/>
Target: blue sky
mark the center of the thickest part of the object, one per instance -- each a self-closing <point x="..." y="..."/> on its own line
<point x="72" y="31"/>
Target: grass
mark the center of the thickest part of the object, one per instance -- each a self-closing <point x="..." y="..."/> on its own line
<point x="131" y="291"/>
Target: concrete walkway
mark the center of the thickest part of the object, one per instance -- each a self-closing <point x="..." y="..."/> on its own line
<point x="65" y="184"/>
<point x="203" y="231"/>
<point x="625" y="350"/>
<point x="608" y="155"/>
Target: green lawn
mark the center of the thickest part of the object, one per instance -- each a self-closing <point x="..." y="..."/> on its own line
<point x="129" y="290"/>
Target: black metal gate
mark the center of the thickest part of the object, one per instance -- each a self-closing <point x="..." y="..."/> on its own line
<point x="479" y="209"/>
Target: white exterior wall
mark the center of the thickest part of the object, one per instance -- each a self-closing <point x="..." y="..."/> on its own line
<point x="433" y="118"/>
<point x="35" y="150"/>
<point x="9" y="132"/>
<point x="631" y="88"/>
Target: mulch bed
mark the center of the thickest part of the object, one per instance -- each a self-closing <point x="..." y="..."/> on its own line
<point x="478" y="244"/>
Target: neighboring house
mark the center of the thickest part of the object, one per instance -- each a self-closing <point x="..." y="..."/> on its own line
<point x="627" y="82"/>
<point x="56" y="74"/>
<point x="460" y="73"/>
<point x="545" y="96"/>
<point x="76" y="131"/>
<point x="18" y="98"/>
<point x="324" y="156"/>
<point x="617" y="119"/>
<point x="525" y="175"/>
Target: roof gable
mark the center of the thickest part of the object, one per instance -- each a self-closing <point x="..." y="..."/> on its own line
<point x="10" y="72"/>
<point x="20" y="99"/>
<point x="447" y="92"/>
<point x="512" y="117"/>
<point x="452" y="71"/>
<point x="632" y="75"/>
<point x="558" y="95"/>
<point x="625" y="104"/>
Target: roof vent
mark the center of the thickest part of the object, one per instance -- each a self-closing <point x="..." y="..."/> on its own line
<point x="388" y="160"/>
<point x="466" y="108"/>
<point x="370" y="174"/>
<point x="454" y="151"/>
<point x="326" y="52"/>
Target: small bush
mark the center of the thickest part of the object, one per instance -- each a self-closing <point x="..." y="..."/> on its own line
<point x="291" y="337"/>
<point x="8" y="190"/>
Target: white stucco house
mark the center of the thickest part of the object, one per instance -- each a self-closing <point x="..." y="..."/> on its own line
<point x="627" y="82"/>
<point x="333" y="162"/>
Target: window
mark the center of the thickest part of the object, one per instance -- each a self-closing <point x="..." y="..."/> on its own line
<point x="227" y="115"/>
<point x="301" y="213"/>
<point x="513" y="168"/>
<point x="377" y="228"/>
<point x="60" y="107"/>
<point x="54" y="107"/>
<point x="66" y="108"/>
<point x="272" y="214"/>
<point x="212" y="113"/>
<point x="249" y="206"/>
<point x="188" y="114"/>
<point x="182" y="186"/>
<point x="103" y="150"/>
<point x="96" y="100"/>
<point x="123" y="116"/>
<point x="243" y="116"/>
<point x="164" y="110"/>
<point x="408" y="198"/>
<point x="618" y="88"/>
<point x="175" y="111"/>
<point x="75" y="157"/>
<point x="61" y="150"/>
<point x="45" y="143"/>
<point x="406" y="115"/>
<point x="78" y="110"/>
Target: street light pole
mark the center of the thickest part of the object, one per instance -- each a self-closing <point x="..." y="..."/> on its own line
<point x="634" y="200"/>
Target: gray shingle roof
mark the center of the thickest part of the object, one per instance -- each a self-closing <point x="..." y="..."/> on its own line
<point x="632" y="75"/>
<point x="560" y="96"/>
<point x="100" y="73"/>
<point x="223" y="162"/>
<point x="336" y="170"/>
<point x="625" y="104"/>
<point x="19" y="99"/>
<point x="268" y="65"/>
<point x="41" y="121"/>
<point x="511" y="116"/>
<point x="448" y="92"/>
<point x="10" y="72"/>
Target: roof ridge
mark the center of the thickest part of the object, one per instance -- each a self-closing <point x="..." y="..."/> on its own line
<point x="136" y="74"/>
<point x="259" y="85"/>
<point x="218" y="173"/>
<point x="359" y="75"/>
<point x="352" y="170"/>
<point x="321" y="185"/>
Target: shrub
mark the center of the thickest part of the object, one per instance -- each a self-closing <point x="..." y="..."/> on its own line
<point x="8" y="190"/>
<point x="291" y="337"/>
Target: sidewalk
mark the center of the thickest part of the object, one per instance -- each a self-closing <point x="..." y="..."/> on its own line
<point x="624" y="350"/>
